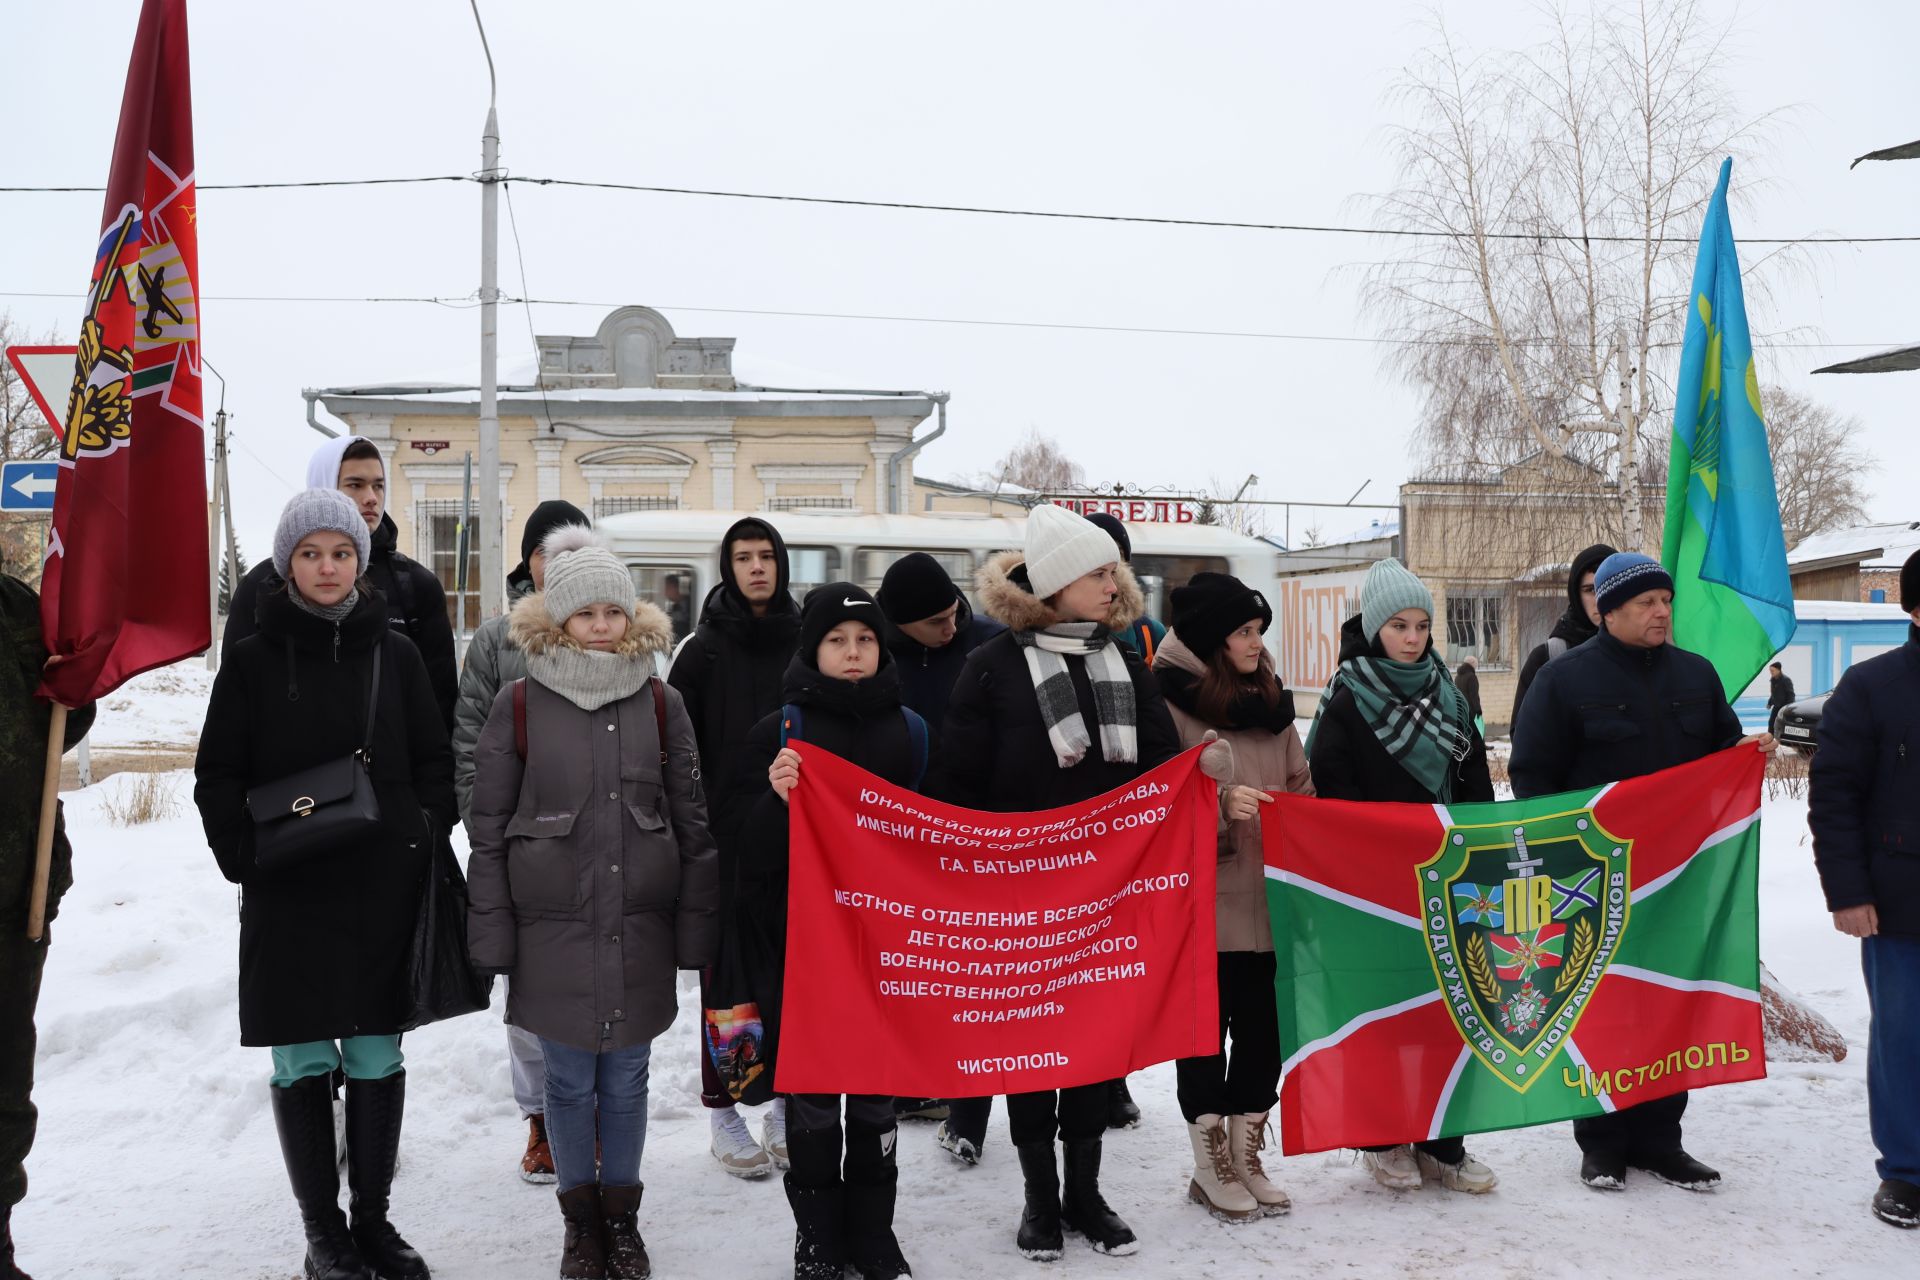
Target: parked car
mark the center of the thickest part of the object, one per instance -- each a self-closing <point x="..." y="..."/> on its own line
<point x="1797" y="724"/>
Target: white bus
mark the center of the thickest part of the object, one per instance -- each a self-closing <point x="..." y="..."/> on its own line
<point x="675" y="555"/>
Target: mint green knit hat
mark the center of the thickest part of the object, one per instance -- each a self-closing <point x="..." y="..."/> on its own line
<point x="1389" y="588"/>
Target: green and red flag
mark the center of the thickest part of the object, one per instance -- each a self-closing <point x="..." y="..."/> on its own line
<point x="1455" y="969"/>
<point x="126" y="580"/>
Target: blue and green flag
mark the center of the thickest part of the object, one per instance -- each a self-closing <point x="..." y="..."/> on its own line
<point x="1732" y="596"/>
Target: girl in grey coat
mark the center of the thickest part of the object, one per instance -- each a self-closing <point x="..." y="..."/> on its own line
<point x="593" y="877"/>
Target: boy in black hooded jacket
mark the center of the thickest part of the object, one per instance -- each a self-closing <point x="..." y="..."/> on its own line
<point x="843" y="690"/>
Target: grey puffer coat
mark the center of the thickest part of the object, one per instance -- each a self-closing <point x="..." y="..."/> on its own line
<point x="593" y="877"/>
<point x="493" y="662"/>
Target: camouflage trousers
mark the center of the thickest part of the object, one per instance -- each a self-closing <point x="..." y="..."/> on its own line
<point x="21" y="964"/>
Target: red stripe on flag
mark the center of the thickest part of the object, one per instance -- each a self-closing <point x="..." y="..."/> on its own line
<point x="1686" y="805"/>
<point x="1318" y="838"/>
<point x="1378" y="1086"/>
<point x="1632" y="1025"/>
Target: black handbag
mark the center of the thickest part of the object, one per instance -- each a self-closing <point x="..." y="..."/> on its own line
<point x="325" y="806"/>
<point x="441" y="980"/>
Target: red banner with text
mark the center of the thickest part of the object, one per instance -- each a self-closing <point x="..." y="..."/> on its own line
<point x="940" y="952"/>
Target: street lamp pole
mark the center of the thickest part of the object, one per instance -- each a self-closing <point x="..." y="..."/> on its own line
<point x="492" y="582"/>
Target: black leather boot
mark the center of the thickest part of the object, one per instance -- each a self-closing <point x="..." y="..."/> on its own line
<point x="626" y="1251"/>
<point x="819" y="1201"/>
<point x="872" y="1184"/>
<point x="1082" y="1207"/>
<point x="1122" y="1112"/>
<point x="374" y="1111"/>
<point x="9" y="1269"/>
<point x="1039" y="1237"/>
<point x="583" y="1255"/>
<point x="303" y="1116"/>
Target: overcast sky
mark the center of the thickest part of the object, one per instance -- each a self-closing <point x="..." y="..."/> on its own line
<point x="1261" y="112"/>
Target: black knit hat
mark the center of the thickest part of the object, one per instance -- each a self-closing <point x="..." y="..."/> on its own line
<point x="831" y="604"/>
<point x="1910" y="583"/>
<point x="1118" y="530"/>
<point x="547" y="517"/>
<point x="1211" y="607"/>
<point x="916" y="587"/>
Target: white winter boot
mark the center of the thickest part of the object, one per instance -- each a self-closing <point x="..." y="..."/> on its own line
<point x="1246" y="1135"/>
<point x="735" y="1148"/>
<point x="1469" y="1175"/>
<point x="773" y="1133"/>
<point x="1393" y="1167"/>
<point x="1214" y="1184"/>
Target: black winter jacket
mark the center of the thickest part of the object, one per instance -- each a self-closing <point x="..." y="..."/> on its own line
<point x="994" y="753"/>
<point x="729" y="673"/>
<point x="1349" y="763"/>
<point x="324" y="945"/>
<point x="860" y="722"/>
<point x="1573" y="628"/>
<point x="1864" y="804"/>
<point x="1607" y="711"/>
<point x="416" y="607"/>
<point x="927" y="676"/>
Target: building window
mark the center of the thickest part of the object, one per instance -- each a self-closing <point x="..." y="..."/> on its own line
<point x="1474" y="628"/>
<point x="603" y="507"/>
<point x="437" y="522"/>
<point x="810" y="503"/>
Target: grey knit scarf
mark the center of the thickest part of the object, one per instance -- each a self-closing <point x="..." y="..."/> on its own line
<point x="1113" y="701"/>
<point x="587" y="679"/>
<point x="330" y="612"/>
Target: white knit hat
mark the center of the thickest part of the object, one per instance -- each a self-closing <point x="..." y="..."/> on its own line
<point x="1062" y="546"/>
<point x="582" y="571"/>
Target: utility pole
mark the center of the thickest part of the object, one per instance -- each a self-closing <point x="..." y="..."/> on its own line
<point x="219" y="518"/>
<point x="492" y="582"/>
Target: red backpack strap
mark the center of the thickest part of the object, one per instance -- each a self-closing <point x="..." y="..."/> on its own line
<point x="520" y="718"/>
<point x="660" y="718"/>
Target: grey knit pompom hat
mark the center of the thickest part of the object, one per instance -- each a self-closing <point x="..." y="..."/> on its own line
<point x="581" y="570"/>
<point x="311" y="512"/>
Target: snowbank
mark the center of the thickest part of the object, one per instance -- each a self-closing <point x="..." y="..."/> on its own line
<point x="157" y="1154"/>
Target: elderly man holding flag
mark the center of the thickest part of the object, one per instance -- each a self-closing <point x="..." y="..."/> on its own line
<point x="1677" y="640"/>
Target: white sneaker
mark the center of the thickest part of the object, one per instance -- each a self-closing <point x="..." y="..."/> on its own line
<point x="1470" y="1176"/>
<point x="735" y="1148"/>
<point x="1394" y="1167"/>
<point x="963" y="1150"/>
<point x="773" y="1133"/>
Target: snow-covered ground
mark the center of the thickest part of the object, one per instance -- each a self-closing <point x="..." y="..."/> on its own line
<point x="157" y="1155"/>
<point x="164" y="707"/>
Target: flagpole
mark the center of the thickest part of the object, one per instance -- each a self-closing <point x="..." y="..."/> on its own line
<point x="49" y="811"/>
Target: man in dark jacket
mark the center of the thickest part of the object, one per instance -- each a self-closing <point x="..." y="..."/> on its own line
<point x="729" y="674"/>
<point x="1576" y="626"/>
<point x="1864" y="812"/>
<point x="24" y="722"/>
<point x="1779" y="694"/>
<point x="416" y="602"/>
<point x="931" y="631"/>
<point x="1625" y="704"/>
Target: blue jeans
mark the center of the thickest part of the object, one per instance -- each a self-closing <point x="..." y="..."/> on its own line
<point x="614" y="1081"/>
<point x="1892" y="967"/>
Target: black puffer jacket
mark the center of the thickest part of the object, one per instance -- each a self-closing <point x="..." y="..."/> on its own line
<point x="1864" y="806"/>
<point x="416" y="607"/>
<point x="324" y="945"/>
<point x="1607" y="711"/>
<point x="927" y="676"/>
<point x="1349" y="763"/>
<point x="994" y="752"/>
<point x="1571" y="630"/>
<point x="729" y="674"/>
<point x="860" y="722"/>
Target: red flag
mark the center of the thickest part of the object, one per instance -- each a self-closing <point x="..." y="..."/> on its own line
<point x="125" y="586"/>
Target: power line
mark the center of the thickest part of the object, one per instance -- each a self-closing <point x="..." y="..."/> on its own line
<point x="1220" y="224"/>
<point x="467" y="303"/>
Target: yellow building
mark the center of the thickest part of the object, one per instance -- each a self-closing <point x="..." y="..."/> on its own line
<point x="633" y="417"/>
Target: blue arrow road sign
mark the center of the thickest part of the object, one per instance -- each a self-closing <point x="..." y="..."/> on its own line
<point x="28" y="486"/>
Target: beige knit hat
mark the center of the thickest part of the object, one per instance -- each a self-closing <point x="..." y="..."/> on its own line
<point x="1061" y="546"/>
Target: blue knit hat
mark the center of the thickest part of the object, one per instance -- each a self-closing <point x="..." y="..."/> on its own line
<point x="1626" y="574"/>
<point x="1389" y="588"/>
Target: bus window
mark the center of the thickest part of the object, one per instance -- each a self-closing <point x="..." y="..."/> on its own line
<point x="671" y="586"/>
<point x="809" y="567"/>
<point x="872" y="563"/>
<point x="1159" y="575"/>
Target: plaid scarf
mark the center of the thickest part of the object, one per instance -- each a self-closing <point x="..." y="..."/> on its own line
<point x="1413" y="709"/>
<point x="1047" y="653"/>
